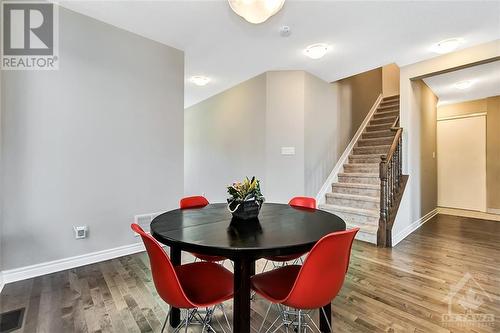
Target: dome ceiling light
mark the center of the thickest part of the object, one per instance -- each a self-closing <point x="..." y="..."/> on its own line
<point x="447" y="45"/>
<point x="256" y="11"/>
<point x="317" y="51"/>
<point x="462" y="85"/>
<point x="199" y="80"/>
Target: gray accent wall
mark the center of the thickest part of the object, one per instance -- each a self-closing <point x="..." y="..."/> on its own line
<point x="284" y="128"/>
<point x="324" y="138"/>
<point x="94" y="143"/>
<point x="224" y="139"/>
<point x="241" y="131"/>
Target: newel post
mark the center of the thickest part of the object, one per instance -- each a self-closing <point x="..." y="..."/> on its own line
<point x="382" y="227"/>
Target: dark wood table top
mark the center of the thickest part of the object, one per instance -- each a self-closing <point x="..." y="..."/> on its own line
<point x="280" y="230"/>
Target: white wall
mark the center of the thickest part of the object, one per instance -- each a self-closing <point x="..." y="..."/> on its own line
<point x="284" y="128"/>
<point x="93" y="143"/>
<point x="224" y="140"/>
<point x="241" y="132"/>
<point x="324" y="137"/>
<point x="410" y="214"/>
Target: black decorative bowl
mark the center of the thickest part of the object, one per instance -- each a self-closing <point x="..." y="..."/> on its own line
<point x="244" y="210"/>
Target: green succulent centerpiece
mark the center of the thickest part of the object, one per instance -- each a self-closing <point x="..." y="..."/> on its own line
<point x="245" y="199"/>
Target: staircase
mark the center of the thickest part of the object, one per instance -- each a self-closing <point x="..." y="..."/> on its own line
<point x="356" y="196"/>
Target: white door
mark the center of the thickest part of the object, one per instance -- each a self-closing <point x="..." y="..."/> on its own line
<point x="461" y="146"/>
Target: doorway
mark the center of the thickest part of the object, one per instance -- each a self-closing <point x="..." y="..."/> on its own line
<point x="461" y="160"/>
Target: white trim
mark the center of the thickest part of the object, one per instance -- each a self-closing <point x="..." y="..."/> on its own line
<point x="493" y="211"/>
<point x="468" y="213"/>
<point x="412" y="227"/>
<point x="1" y="281"/>
<point x="479" y="114"/>
<point x="28" y="272"/>
<point x="321" y="196"/>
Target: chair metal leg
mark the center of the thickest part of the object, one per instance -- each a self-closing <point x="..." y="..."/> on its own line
<point x="225" y="317"/>
<point x="277" y="328"/>
<point x="166" y="320"/>
<point x="299" y="328"/>
<point x="312" y="321"/>
<point x="265" y="317"/>
<point x="265" y="265"/>
<point x="327" y="319"/>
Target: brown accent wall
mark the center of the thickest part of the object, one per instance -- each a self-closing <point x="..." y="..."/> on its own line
<point x="491" y="106"/>
<point x="464" y="108"/>
<point x="357" y="95"/>
<point x="390" y="80"/>
<point x="428" y="147"/>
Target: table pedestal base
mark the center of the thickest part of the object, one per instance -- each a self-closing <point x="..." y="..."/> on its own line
<point x="244" y="268"/>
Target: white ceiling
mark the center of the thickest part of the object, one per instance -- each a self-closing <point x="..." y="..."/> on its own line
<point x="364" y="35"/>
<point x="485" y="83"/>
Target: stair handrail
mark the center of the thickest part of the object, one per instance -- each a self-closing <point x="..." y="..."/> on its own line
<point x="395" y="124"/>
<point x="390" y="170"/>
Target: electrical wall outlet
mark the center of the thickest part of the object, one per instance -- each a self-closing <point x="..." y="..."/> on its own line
<point x="80" y="231"/>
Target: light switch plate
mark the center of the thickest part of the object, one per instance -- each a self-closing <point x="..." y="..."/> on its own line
<point x="287" y="150"/>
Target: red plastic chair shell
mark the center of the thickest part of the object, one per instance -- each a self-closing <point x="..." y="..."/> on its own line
<point x="303" y="202"/>
<point x="315" y="283"/>
<point x="195" y="285"/>
<point x="196" y="201"/>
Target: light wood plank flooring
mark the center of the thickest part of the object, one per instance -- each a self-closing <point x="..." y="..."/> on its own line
<point x="387" y="290"/>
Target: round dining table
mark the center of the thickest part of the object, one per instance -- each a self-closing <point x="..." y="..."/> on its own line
<point x="279" y="230"/>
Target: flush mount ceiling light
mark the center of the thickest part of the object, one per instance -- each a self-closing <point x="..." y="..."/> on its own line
<point x="199" y="80"/>
<point x="466" y="84"/>
<point x="447" y="45"/>
<point x="317" y="51"/>
<point x="256" y="11"/>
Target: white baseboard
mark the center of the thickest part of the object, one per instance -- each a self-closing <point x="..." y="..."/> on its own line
<point x="412" y="227"/>
<point x="493" y="211"/>
<point x="28" y="272"/>
<point x="469" y="213"/>
<point x="320" y="197"/>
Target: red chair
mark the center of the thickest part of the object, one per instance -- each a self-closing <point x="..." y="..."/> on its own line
<point x="314" y="284"/>
<point x="198" y="201"/>
<point x="303" y="202"/>
<point x="298" y="202"/>
<point x="191" y="286"/>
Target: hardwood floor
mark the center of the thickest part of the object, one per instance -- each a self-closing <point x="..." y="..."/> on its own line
<point x="402" y="289"/>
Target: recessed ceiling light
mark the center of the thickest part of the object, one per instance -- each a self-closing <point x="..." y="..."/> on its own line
<point x="199" y="80"/>
<point x="317" y="51"/>
<point x="463" y="84"/>
<point x="447" y="45"/>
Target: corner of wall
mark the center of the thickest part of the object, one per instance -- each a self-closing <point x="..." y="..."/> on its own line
<point x="411" y="121"/>
<point x="390" y="80"/>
